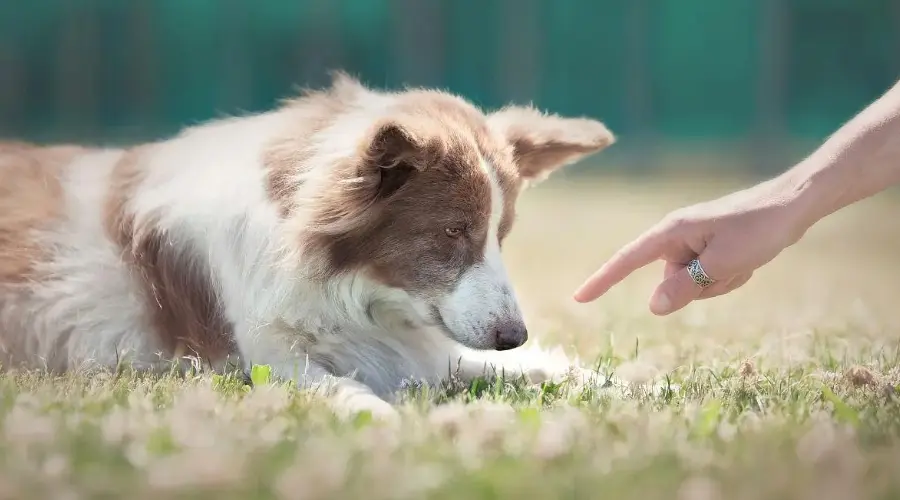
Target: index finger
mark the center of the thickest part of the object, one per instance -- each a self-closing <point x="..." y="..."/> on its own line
<point x="647" y="248"/>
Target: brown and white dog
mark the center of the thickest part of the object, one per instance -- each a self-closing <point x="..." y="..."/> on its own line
<point x="351" y="235"/>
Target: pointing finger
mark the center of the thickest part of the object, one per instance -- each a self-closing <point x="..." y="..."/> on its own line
<point x="642" y="251"/>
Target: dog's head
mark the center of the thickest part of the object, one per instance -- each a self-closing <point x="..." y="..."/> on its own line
<point x="417" y="191"/>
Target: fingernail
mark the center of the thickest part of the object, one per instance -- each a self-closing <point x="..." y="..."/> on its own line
<point x="660" y="303"/>
<point x="578" y="294"/>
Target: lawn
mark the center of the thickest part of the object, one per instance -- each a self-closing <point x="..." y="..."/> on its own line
<point x="786" y="388"/>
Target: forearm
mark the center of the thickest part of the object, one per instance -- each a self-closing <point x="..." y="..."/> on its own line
<point x="859" y="160"/>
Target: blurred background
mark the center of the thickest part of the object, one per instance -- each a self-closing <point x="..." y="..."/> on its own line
<point x="744" y="85"/>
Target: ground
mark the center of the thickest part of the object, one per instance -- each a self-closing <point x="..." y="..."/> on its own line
<point x="786" y="388"/>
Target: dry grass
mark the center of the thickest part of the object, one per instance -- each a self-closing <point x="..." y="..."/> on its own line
<point x="784" y="389"/>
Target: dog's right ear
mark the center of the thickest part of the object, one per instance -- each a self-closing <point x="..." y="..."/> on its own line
<point x="396" y="151"/>
<point x="543" y="143"/>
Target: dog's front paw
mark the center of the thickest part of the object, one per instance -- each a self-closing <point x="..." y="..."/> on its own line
<point x="351" y="398"/>
<point x="378" y="408"/>
<point x="541" y="374"/>
<point x="573" y="375"/>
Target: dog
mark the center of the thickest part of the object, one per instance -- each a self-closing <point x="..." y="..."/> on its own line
<point x="350" y="235"/>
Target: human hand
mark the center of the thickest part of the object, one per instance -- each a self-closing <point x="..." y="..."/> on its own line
<point x="731" y="236"/>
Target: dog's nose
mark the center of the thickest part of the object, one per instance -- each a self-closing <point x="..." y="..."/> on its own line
<point x="510" y="335"/>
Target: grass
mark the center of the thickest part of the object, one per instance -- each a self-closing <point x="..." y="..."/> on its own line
<point x="786" y="388"/>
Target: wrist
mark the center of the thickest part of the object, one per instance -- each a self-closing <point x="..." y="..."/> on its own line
<point x="806" y="198"/>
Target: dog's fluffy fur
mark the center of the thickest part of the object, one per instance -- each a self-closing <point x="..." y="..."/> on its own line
<point x="350" y="235"/>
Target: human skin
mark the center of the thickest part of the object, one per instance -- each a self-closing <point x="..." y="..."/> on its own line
<point x="736" y="234"/>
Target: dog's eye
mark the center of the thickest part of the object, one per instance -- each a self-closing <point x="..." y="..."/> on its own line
<point x="453" y="232"/>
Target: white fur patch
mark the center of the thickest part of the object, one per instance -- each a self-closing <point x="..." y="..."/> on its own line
<point x="484" y="298"/>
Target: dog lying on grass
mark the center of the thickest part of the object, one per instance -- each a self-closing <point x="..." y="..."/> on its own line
<point x="351" y="235"/>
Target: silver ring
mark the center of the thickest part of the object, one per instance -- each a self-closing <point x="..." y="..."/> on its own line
<point x="695" y="270"/>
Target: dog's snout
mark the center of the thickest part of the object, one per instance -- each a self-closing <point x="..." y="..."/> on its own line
<point x="510" y="335"/>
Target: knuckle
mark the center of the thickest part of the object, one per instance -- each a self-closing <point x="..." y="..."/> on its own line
<point x="677" y="220"/>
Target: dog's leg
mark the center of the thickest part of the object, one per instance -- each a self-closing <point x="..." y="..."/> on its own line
<point x="344" y="395"/>
<point x="348" y="397"/>
<point x="534" y="365"/>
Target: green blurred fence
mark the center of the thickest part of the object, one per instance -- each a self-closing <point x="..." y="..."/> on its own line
<point x="762" y="73"/>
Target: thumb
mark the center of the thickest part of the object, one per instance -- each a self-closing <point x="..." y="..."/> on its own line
<point x="679" y="289"/>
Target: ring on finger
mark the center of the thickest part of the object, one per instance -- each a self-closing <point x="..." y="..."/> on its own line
<point x="695" y="270"/>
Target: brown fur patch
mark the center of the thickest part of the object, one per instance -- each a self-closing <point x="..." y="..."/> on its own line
<point x="31" y="198"/>
<point x="185" y="309"/>
<point x="406" y="227"/>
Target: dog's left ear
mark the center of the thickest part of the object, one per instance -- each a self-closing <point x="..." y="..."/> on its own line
<point x="393" y="143"/>
<point x="396" y="151"/>
<point x="544" y="143"/>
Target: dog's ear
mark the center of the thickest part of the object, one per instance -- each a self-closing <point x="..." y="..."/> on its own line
<point x="543" y="143"/>
<point x="396" y="151"/>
